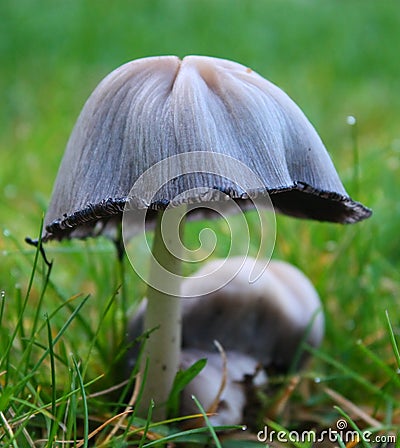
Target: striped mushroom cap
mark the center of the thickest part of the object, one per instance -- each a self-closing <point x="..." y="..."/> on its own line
<point x="154" y="108"/>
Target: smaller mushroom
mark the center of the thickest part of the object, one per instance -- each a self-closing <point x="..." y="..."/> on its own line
<point x="259" y="324"/>
<point x="266" y="318"/>
<point x="227" y="403"/>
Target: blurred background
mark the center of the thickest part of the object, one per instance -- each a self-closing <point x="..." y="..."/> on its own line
<point x="335" y="58"/>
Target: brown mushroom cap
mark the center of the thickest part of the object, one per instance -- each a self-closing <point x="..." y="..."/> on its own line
<point x="153" y="108"/>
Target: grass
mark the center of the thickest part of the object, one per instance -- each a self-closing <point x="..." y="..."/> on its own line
<point x="62" y="332"/>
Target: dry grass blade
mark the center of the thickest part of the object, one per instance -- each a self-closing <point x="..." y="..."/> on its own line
<point x="280" y="403"/>
<point x="128" y="409"/>
<point x="109" y="390"/>
<point x="214" y="406"/>
<point x="28" y="438"/>
<point x="101" y="427"/>
<point x="6" y="425"/>
<point x="352" y="408"/>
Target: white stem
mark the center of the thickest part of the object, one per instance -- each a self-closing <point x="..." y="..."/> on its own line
<point x="163" y="313"/>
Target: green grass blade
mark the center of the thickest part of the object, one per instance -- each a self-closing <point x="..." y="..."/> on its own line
<point x="354" y="426"/>
<point x="182" y="379"/>
<point x="208" y="423"/>
<point x="85" y="404"/>
<point x="393" y="341"/>
<point x="340" y="442"/>
<point x="147" y="425"/>
<point x="72" y="410"/>
<point x="352" y="374"/>
<point x="19" y="327"/>
<point x="279" y="429"/>
<point x="62" y="331"/>
<point x="388" y="370"/>
<point x="35" y="262"/>
<point x="32" y="338"/>
<point x="39" y="303"/>
<point x="186" y="434"/>
<point x="94" y="340"/>
<point x="53" y="427"/>
<point x="2" y="305"/>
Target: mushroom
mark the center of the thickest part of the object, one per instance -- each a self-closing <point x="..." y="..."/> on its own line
<point x="266" y="319"/>
<point x="227" y="403"/>
<point x="260" y="325"/>
<point x="214" y="113"/>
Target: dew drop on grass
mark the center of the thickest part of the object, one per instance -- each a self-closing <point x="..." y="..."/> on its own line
<point x="6" y="233"/>
<point x="351" y="121"/>
<point x="3" y="294"/>
<point x="317" y="380"/>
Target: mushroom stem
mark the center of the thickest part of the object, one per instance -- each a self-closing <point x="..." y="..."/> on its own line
<point x="163" y="313"/>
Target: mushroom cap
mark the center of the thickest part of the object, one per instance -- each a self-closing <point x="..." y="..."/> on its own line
<point x="151" y="109"/>
<point x="240" y="370"/>
<point x="266" y="319"/>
